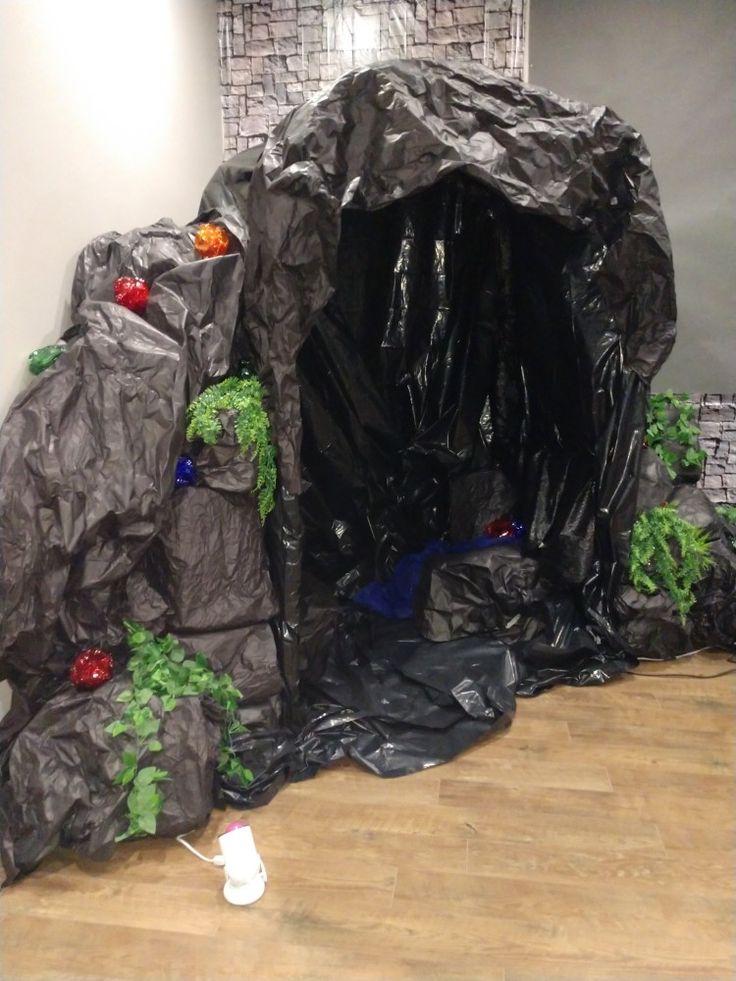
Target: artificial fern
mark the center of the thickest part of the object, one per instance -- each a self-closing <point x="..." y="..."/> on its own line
<point x="663" y="430"/>
<point x="244" y="396"/>
<point x="728" y="513"/>
<point x="668" y="554"/>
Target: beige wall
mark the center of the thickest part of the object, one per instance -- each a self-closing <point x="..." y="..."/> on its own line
<point x="109" y="118"/>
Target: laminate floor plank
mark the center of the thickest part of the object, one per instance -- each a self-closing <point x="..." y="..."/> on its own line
<point x="591" y="841"/>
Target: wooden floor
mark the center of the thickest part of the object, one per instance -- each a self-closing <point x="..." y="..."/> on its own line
<point x="593" y="840"/>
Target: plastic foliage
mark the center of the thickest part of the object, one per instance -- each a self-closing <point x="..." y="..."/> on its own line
<point x="161" y="670"/>
<point x="42" y="358"/>
<point x="670" y="420"/>
<point x="243" y="396"/>
<point x="670" y="555"/>
<point x="728" y="513"/>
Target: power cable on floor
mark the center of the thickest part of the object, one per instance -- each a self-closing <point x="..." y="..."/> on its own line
<point x="698" y="677"/>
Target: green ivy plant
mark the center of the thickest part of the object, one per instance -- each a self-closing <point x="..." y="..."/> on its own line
<point x="162" y="673"/>
<point x="244" y="396"/>
<point x="670" y="555"/>
<point x="662" y="430"/>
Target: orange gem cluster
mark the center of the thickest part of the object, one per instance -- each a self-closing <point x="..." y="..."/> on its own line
<point x="211" y="241"/>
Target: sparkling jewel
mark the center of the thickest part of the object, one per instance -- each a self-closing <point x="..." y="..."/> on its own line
<point x="132" y="293"/>
<point x="91" y="668"/>
<point x="211" y="241"/>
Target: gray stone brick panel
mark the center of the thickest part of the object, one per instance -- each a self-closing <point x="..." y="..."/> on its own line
<point x="716" y="416"/>
<point x="276" y="51"/>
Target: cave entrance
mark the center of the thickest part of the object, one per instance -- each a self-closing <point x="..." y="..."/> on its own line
<point x="445" y="379"/>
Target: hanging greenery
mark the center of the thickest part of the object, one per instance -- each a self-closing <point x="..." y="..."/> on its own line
<point x="244" y="396"/>
<point x="160" y="669"/>
<point x="670" y="421"/>
<point x="670" y="555"/>
<point x="728" y="513"/>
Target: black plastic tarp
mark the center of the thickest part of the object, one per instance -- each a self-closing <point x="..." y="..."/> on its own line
<point x="651" y="624"/>
<point x="59" y="789"/>
<point x="452" y="282"/>
<point x="456" y="290"/>
<point x="561" y="192"/>
<point x="88" y="451"/>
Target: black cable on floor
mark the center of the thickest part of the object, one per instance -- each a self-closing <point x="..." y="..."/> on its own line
<point x="698" y="677"/>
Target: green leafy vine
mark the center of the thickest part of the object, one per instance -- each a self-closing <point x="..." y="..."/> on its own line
<point x="162" y="673"/>
<point x="668" y="554"/>
<point x="243" y="396"/>
<point x="662" y="430"/>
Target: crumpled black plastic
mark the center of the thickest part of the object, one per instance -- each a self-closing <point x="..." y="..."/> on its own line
<point x="449" y="274"/>
<point x="543" y="665"/>
<point x="651" y="624"/>
<point x="477" y="498"/>
<point x="60" y="790"/>
<point x="479" y="592"/>
<point x="88" y="451"/>
<point x="223" y="466"/>
<point x="561" y="198"/>
<point x="247" y="654"/>
<point x="437" y="272"/>
<point x="484" y="283"/>
<point x="388" y="699"/>
<point x="381" y="694"/>
<point x="578" y="205"/>
<point x="213" y="561"/>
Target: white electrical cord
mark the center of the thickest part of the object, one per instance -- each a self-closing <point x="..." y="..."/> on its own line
<point x="218" y="860"/>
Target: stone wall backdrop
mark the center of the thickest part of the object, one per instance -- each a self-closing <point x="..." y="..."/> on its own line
<point x="274" y="54"/>
<point x="717" y="421"/>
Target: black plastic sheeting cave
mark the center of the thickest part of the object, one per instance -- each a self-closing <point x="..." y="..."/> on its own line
<point x="456" y="290"/>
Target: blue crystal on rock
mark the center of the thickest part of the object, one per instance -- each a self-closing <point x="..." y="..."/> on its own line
<point x="186" y="472"/>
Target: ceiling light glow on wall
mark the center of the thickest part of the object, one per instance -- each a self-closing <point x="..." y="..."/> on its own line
<point x="353" y="36"/>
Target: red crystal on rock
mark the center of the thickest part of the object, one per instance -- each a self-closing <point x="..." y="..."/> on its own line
<point x="500" y="528"/>
<point x="131" y="292"/>
<point x="91" y="668"/>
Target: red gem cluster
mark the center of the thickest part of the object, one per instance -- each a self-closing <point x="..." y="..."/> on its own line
<point x="91" y="668"/>
<point x="500" y="528"/>
<point x="132" y="293"/>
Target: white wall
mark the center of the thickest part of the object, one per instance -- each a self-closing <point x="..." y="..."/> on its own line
<point x="668" y="68"/>
<point x="109" y="118"/>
